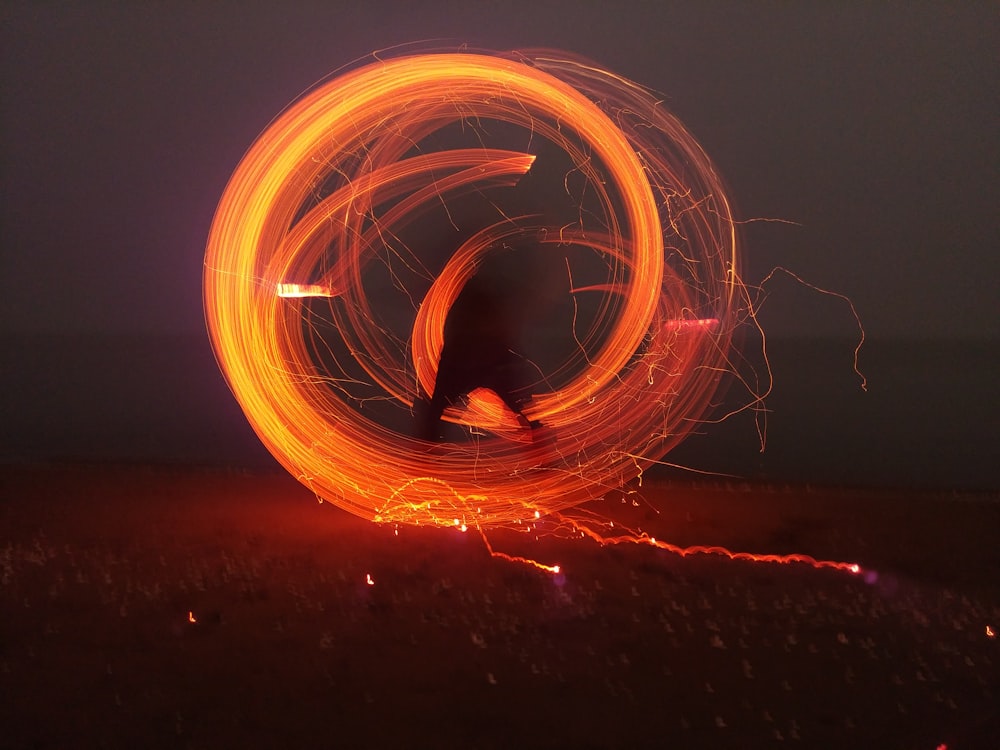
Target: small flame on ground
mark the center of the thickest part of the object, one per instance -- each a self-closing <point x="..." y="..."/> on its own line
<point x="369" y="580"/>
<point x="191" y="617"/>
<point x="990" y="632"/>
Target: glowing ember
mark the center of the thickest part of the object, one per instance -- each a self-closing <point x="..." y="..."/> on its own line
<point x="990" y="633"/>
<point x="191" y="617"/>
<point x="316" y="226"/>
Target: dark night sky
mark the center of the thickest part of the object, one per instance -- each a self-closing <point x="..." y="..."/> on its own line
<point x="873" y="126"/>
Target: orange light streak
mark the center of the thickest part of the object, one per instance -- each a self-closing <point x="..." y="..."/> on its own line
<point x="554" y="569"/>
<point x="325" y="192"/>
<point x="838" y="295"/>
<point x="631" y="536"/>
<point x="321" y="204"/>
<point x="290" y="291"/>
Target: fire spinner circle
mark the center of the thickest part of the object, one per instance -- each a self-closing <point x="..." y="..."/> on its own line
<point x="327" y="316"/>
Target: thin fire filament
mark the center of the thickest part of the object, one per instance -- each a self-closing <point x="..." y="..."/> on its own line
<point x="326" y="195"/>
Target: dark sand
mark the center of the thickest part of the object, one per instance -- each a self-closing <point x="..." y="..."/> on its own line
<point x="631" y="648"/>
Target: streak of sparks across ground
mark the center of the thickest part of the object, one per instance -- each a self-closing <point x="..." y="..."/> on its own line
<point x="633" y="536"/>
<point x="328" y="321"/>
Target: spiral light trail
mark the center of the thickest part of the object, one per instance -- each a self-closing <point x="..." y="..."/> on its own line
<point x="328" y="320"/>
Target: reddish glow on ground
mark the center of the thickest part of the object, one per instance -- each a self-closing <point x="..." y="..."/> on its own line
<point x="319" y="205"/>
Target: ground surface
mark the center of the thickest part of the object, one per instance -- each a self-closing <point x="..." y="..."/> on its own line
<point x="631" y="647"/>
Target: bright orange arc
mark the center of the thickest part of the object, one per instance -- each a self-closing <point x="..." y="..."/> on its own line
<point x="330" y="187"/>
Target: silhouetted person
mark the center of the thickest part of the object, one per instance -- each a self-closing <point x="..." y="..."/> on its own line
<point x="481" y="335"/>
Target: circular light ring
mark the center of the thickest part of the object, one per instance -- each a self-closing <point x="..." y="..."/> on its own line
<point x="642" y="378"/>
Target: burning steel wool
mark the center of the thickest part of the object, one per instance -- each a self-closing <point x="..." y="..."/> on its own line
<point x="353" y="226"/>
